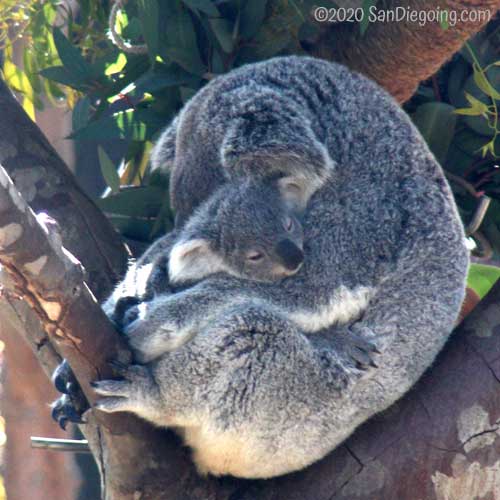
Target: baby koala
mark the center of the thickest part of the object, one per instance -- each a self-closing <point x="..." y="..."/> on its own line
<point x="248" y="229"/>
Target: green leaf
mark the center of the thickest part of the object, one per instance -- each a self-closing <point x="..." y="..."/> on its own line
<point x="223" y="31"/>
<point x="60" y="74"/>
<point x="468" y="112"/>
<point x="108" y="171"/>
<point x="135" y="228"/>
<point x="365" y="22"/>
<point x="142" y="201"/>
<point x="476" y="104"/>
<point x="483" y="83"/>
<point x="481" y="278"/>
<point x="251" y="17"/>
<point x="135" y="125"/>
<point x="81" y="113"/>
<point x="443" y="20"/>
<point x="163" y="76"/>
<point x="71" y="58"/>
<point x="179" y="41"/>
<point x="149" y="16"/>
<point x="436" y="122"/>
<point x="185" y="58"/>
<point x="205" y="6"/>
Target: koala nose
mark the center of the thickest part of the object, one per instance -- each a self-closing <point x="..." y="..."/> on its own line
<point x="291" y="255"/>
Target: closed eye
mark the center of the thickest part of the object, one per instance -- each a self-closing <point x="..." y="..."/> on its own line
<point x="255" y="256"/>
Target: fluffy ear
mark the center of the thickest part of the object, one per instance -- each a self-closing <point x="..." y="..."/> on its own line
<point x="296" y="191"/>
<point x="191" y="260"/>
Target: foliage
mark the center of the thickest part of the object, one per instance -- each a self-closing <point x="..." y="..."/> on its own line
<point x="131" y="97"/>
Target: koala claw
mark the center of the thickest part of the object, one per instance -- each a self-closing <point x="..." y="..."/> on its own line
<point x="352" y="343"/>
<point x="362" y="352"/>
<point x="124" y="394"/>
<point x="65" y="410"/>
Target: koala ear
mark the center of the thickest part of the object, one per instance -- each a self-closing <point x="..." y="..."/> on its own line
<point x="295" y="191"/>
<point x="192" y="260"/>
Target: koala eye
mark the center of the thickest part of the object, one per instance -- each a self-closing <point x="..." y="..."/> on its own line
<point x="288" y="224"/>
<point x="255" y="256"/>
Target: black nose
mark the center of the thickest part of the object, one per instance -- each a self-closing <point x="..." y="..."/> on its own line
<point x="291" y="255"/>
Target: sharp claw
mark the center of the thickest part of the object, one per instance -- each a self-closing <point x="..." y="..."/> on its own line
<point x="62" y="423"/>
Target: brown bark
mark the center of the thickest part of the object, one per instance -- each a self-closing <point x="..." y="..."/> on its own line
<point x="399" y="55"/>
<point x="26" y="392"/>
<point x="45" y="180"/>
<point x="419" y="442"/>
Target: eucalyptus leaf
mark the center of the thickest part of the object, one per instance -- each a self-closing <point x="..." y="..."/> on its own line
<point x="108" y="170"/>
<point x="206" y="6"/>
<point x="484" y="84"/>
<point x="223" y="31"/>
<point x="135" y="228"/>
<point x="136" y="125"/>
<point x="61" y="75"/>
<point x="81" y="113"/>
<point x="71" y="58"/>
<point x="178" y="38"/>
<point x="149" y="17"/>
<point x="365" y="22"/>
<point x="436" y="122"/>
<point x="162" y="76"/>
<point x="252" y="15"/>
<point x="481" y="278"/>
<point x="140" y="201"/>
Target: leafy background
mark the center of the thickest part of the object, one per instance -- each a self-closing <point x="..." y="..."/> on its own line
<point x="68" y="57"/>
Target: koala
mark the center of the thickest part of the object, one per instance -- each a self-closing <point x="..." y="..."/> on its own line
<point x="241" y="127"/>
<point x="264" y="378"/>
<point x="247" y="231"/>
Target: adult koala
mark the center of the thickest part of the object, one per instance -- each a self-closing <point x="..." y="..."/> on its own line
<point x="271" y="380"/>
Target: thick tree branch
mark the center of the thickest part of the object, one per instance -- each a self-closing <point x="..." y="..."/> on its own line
<point x="399" y="55"/>
<point x="47" y="185"/>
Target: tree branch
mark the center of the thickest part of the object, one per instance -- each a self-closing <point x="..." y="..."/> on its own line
<point x="399" y="55"/>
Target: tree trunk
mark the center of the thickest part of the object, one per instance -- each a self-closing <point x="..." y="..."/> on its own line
<point x="439" y="442"/>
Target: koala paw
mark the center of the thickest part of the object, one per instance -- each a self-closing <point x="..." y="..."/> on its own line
<point x="357" y="343"/>
<point x="126" y="394"/>
<point x="149" y="341"/>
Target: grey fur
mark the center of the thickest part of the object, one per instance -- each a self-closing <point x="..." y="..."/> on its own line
<point x="244" y="229"/>
<point x="272" y="377"/>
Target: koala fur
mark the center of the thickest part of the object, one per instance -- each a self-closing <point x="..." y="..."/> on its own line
<point x="246" y="230"/>
<point x="271" y="379"/>
<point x="239" y="127"/>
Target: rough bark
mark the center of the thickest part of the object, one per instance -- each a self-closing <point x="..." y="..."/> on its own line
<point x="420" y="442"/>
<point x="399" y="55"/>
<point x="43" y="179"/>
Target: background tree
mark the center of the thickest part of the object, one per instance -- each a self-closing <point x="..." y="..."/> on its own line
<point x="440" y="440"/>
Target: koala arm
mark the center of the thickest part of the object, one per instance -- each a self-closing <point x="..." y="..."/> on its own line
<point x="145" y="277"/>
<point x="268" y="134"/>
<point x="170" y="320"/>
